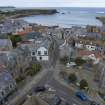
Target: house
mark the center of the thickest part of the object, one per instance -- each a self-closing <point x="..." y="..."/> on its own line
<point x="5" y="44"/>
<point x="90" y="47"/>
<point x="22" y="60"/>
<point x="93" y="55"/>
<point x="33" y="35"/>
<point x="7" y="84"/>
<point x="79" y="44"/>
<point x="15" y="26"/>
<point x="40" y="51"/>
<point x="89" y="35"/>
<point x="17" y="60"/>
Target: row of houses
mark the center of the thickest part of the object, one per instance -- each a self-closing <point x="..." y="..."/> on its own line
<point x="91" y="45"/>
<point x="15" y="26"/>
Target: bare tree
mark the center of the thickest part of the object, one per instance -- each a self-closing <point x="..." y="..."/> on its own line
<point x="53" y="51"/>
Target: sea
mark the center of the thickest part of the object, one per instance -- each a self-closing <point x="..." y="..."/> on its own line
<point x="68" y="17"/>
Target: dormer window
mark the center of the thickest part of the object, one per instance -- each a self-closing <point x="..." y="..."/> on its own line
<point x="39" y="52"/>
<point x="33" y="53"/>
<point x="45" y="52"/>
<point x="2" y="93"/>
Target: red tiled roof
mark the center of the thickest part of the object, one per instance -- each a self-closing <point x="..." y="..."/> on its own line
<point x="26" y="42"/>
<point x="27" y="30"/>
<point x="82" y="53"/>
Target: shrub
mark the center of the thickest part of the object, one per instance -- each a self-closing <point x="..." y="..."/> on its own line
<point x="72" y="78"/>
<point x="83" y="84"/>
<point x="15" y="39"/>
<point x="19" y="79"/>
<point x="79" y="61"/>
<point x="34" y="69"/>
<point x="64" y="60"/>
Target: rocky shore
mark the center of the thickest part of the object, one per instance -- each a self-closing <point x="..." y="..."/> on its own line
<point x="102" y="19"/>
<point x="27" y="12"/>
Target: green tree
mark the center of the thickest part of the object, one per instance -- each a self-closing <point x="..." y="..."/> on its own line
<point x="79" y="61"/>
<point x="64" y="60"/>
<point x="15" y="39"/>
<point x="83" y="84"/>
<point x="72" y="78"/>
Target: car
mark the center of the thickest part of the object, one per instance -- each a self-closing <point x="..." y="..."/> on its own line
<point x="82" y="96"/>
<point x="40" y="89"/>
<point x="94" y="103"/>
<point x="67" y="103"/>
<point x="57" y="100"/>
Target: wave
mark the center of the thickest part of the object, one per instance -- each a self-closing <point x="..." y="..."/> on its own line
<point x="83" y="11"/>
<point x="101" y="12"/>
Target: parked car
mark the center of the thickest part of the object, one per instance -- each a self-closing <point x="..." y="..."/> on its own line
<point x="94" y="103"/>
<point x="57" y="100"/>
<point x="82" y="96"/>
<point x="40" y="89"/>
<point x="67" y="103"/>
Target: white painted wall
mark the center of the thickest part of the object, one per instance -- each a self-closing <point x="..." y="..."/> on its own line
<point x="79" y="45"/>
<point x="90" y="47"/>
<point x="42" y="56"/>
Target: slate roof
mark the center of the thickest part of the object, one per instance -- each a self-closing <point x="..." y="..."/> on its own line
<point x="33" y="35"/>
<point x="4" y="42"/>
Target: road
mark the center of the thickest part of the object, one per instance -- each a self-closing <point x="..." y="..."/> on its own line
<point x="62" y="91"/>
<point x="49" y="79"/>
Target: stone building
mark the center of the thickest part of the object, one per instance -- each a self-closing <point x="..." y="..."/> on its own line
<point x="7" y="84"/>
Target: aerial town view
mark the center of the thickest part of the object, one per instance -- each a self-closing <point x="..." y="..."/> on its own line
<point x="52" y="52"/>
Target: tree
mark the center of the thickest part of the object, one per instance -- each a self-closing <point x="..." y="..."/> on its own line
<point x="72" y="78"/>
<point x="79" y="61"/>
<point x="53" y="51"/>
<point x="15" y="39"/>
<point x="34" y="69"/>
<point x="64" y="60"/>
<point x="83" y="84"/>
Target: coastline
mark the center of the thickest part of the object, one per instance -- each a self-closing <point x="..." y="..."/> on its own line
<point x="26" y="12"/>
<point x="101" y="18"/>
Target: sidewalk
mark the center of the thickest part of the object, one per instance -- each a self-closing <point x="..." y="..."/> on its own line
<point x="22" y="93"/>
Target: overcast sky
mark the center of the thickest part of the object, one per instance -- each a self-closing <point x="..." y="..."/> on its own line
<point x="53" y="3"/>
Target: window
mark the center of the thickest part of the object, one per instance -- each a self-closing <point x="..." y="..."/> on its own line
<point x="45" y="52"/>
<point x="2" y="93"/>
<point x="10" y="86"/>
<point x="33" y="53"/>
<point x="39" y="52"/>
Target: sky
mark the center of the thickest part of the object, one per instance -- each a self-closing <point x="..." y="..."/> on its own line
<point x="53" y="3"/>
